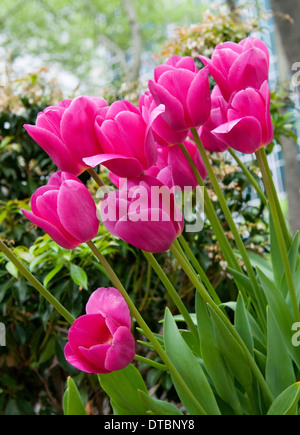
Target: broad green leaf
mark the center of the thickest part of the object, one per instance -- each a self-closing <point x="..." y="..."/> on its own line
<point x="232" y="352"/>
<point x="281" y="313"/>
<point x="242" y="325"/>
<point x="158" y="407"/>
<point x="279" y="367"/>
<point x="79" y="276"/>
<point x="122" y="387"/>
<point x="287" y="402"/>
<point x="190" y="370"/>
<point x="293" y="257"/>
<point x="214" y="362"/>
<point x="72" y="401"/>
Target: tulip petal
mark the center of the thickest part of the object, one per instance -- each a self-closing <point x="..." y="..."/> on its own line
<point x="174" y="113"/>
<point x="66" y="242"/>
<point x="77" y="127"/>
<point x="124" y="167"/>
<point x="109" y="302"/>
<point x="152" y="236"/>
<point x="198" y="99"/>
<point x="244" y="135"/>
<point x="122" y="352"/>
<point x="251" y="69"/>
<point x="96" y="356"/>
<point x="55" y="148"/>
<point x="78" y="361"/>
<point x="77" y="210"/>
<point x="89" y="330"/>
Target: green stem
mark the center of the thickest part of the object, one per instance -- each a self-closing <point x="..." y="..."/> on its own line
<point x="249" y="176"/>
<point x="205" y="296"/>
<point x="213" y="218"/>
<point x="172" y="292"/>
<point x="151" y="363"/>
<point x="263" y="164"/>
<point x="146" y="330"/>
<point x="36" y="284"/>
<point x="232" y="225"/>
<point x="199" y="270"/>
<point x="96" y="177"/>
<point x="284" y="228"/>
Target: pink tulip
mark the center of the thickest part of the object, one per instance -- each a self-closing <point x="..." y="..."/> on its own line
<point x="101" y="341"/>
<point x="164" y="135"/>
<point x="179" y="169"/>
<point x="127" y="146"/>
<point x="239" y="66"/>
<point x="143" y="213"/>
<point x="184" y="91"/>
<point x="65" y="210"/>
<point x="249" y="125"/>
<point x="66" y="132"/>
<point x="218" y="116"/>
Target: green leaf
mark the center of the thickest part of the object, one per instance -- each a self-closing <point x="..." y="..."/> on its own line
<point x="287" y="402"/>
<point x="190" y="370"/>
<point x="158" y="407"/>
<point x="281" y="313"/>
<point x="279" y="367"/>
<point x="79" y="276"/>
<point x="242" y="325"/>
<point x="232" y="352"/>
<point x="123" y="388"/>
<point x="11" y="268"/>
<point x="72" y="401"/>
<point x="52" y="274"/>
<point x="213" y="360"/>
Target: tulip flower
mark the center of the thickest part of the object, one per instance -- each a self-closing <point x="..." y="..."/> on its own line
<point x="184" y="91"/>
<point x="238" y="66"/>
<point x="66" y="132"/>
<point x="163" y="134"/>
<point x="218" y="116"/>
<point x="180" y="169"/>
<point x="249" y="125"/>
<point x="65" y="210"/>
<point x="143" y="213"/>
<point x="127" y="146"/>
<point x="101" y="341"/>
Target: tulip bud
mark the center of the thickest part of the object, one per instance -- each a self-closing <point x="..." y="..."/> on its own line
<point x="65" y="210"/>
<point x="249" y="125"/>
<point x="127" y="145"/>
<point x="66" y="132"/>
<point x="143" y="213"/>
<point x="184" y="91"/>
<point x="101" y="341"/>
<point x="239" y="66"/>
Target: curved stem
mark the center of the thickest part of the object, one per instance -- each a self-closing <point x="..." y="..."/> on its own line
<point x="96" y="177"/>
<point x="213" y="218"/>
<point x="249" y="176"/>
<point x="172" y="292"/>
<point x="284" y="228"/>
<point x="151" y="363"/>
<point x="205" y="296"/>
<point x="146" y="330"/>
<point x="232" y="225"/>
<point x="263" y="164"/>
<point x="36" y="284"/>
<point x="199" y="270"/>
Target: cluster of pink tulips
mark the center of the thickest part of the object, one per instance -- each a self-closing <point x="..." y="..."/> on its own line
<point x="144" y="145"/>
